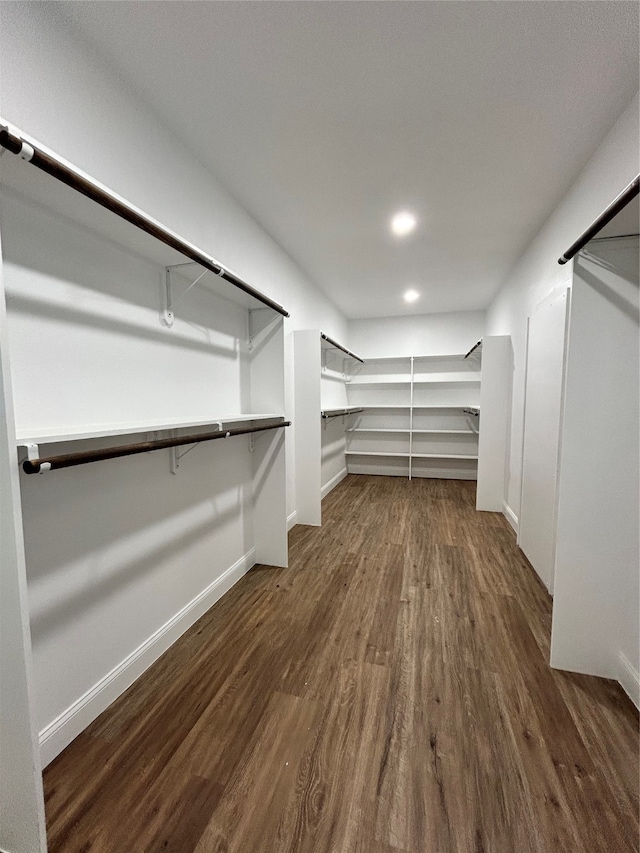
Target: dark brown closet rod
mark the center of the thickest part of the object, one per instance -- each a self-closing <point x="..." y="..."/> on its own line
<point x="68" y="460"/>
<point x="340" y="347"/>
<point x="341" y="414"/>
<point x="57" y="169"/>
<point x="627" y="195"/>
<point x="474" y="348"/>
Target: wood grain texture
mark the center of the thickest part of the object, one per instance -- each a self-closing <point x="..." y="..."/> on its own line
<point x="388" y="693"/>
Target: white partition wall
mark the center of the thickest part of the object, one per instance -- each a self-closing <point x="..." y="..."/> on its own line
<point x="322" y="368"/>
<point x="495" y="408"/>
<point x="595" y="613"/>
<point x="543" y="400"/>
<point x="307" y="365"/>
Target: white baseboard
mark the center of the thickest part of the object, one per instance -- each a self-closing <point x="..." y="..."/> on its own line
<point x="442" y="474"/>
<point x="291" y="520"/>
<point x="403" y="471"/>
<point x="68" y="725"/>
<point x="510" y="515"/>
<point x="629" y="678"/>
<point x="333" y="482"/>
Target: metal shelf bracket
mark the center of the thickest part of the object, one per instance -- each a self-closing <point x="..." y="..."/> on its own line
<point x="167" y="315"/>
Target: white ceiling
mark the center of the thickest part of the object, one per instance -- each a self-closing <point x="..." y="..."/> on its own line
<point x="324" y="118"/>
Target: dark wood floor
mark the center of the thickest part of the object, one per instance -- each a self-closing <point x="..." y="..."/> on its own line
<point x="388" y="692"/>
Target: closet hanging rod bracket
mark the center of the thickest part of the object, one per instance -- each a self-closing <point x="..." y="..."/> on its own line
<point x="33" y="454"/>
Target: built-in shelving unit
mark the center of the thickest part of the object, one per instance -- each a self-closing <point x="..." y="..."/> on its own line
<point x="124" y="338"/>
<point x="323" y="370"/>
<point x="413" y="421"/>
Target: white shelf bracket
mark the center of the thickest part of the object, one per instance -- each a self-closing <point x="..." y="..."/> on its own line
<point x="175" y="455"/>
<point x="252" y="446"/>
<point x="167" y="315"/>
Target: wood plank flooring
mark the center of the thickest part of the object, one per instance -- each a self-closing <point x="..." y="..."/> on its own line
<point x="387" y="692"/>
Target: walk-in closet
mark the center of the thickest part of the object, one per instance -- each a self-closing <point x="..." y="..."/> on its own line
<point x="319" y="412"/>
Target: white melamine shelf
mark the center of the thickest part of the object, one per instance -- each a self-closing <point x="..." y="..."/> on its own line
<point x="442" y="456"/>
<point x="455" y="356"/>
<point x="447" y="381"/>
<point x="388" y="358"/>
<point x="374" y="453"/>
<point x="416" y="431"/>
<point x="110" y="430"/>
<point x="377" y="429"/>
<point x="352" y="382"/>
<point x="406" y="455"/>
<point x="444" y="432"/>
<point x="382" y="406"/>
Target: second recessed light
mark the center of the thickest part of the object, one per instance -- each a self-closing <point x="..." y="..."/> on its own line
<point x="403" y="223"/>
<point x="411" y="295"/>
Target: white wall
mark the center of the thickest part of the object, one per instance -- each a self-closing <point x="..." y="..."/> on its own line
<point x="58" y="91"/>
<point x="537" y="273"/>
<point x="72" y="305"/>
<point x="421" y="334"/>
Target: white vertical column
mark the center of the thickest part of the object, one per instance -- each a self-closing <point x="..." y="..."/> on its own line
<point x="495" y="414"/>
<point x="411" y="423"/>
<point x="308" y="425"/>
<point x="22" y="821"/>
<point x="269" y="466"/>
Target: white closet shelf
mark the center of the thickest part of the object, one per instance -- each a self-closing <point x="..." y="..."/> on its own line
<point x="446" y="381"/>
<point x="378" y="382"/>
<point x="443" y="456"/>
<point x="406" y="454"/>
<point x="416" y="431"/>
<point x="454" y="406"/>
<point x="388" y="358"/>
<point x="377" y="429"/>
<point x="454" y="356"/>
<point x="51" y="436"/>
<point x="374" y="453"/>
<point x="444" y="432"/>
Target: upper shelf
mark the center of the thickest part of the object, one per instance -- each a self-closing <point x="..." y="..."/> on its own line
<point x="52" y="436"/>
<point x="440" y="380"/>
<point x="74" y="195"/>
<point x="329" y="343"/>
<point x="454" y="356"/>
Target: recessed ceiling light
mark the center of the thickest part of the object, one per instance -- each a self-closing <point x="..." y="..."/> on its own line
<point x="411" y="295"/>
<point x="403" y="223"/>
